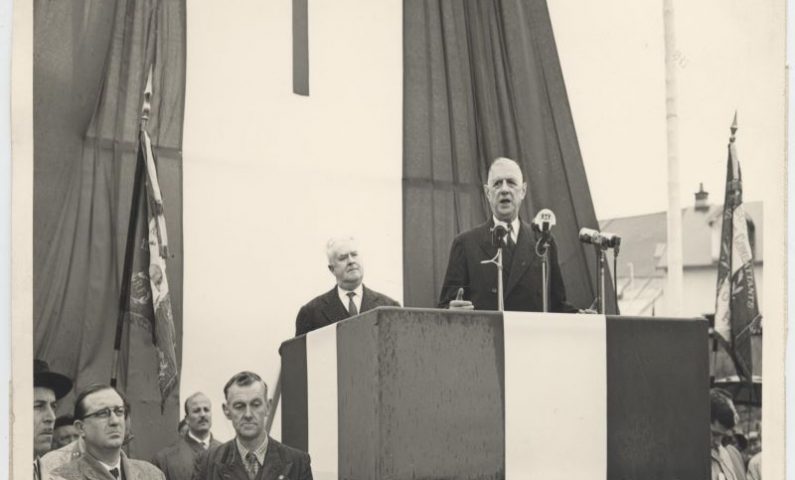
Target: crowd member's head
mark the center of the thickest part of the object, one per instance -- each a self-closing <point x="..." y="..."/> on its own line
<point x="48" y="387"/>
<point x="505" y="189"/>
<point x="64" y="431"/>
<point x="723" y="415"/>
<point x="182" y="427"/>
<point x="101" y="416"/>
<point x="199" y="415"/>
<point x="247" y="406"/>
<point x="344" y="262"/>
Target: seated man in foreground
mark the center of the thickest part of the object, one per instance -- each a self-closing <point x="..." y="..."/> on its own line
<point x="100" y="418"/>
<point x="252" y="453"/>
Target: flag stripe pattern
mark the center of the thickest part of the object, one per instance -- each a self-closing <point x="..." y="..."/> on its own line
<point x="165" y="334"/>
<point x="557" y="351"/>
<point x="471" y="395"/>
<point x="321" y="378"/>
<point x="736" y="307"/>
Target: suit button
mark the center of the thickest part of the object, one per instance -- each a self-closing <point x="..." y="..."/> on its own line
<point x="493" y="290"/>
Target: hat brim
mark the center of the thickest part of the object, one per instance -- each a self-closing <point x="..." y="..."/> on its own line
<point x="59" y="384"/>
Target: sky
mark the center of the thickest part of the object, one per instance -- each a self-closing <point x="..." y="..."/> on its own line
<point x="729" y="58"/>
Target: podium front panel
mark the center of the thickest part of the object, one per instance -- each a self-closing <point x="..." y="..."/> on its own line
<point x="421" y="395"/>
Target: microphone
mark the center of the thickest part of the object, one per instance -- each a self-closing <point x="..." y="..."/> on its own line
<point x="497" y="234"/>
<point x="544" y="221"/>
<point x="599" y="239"/>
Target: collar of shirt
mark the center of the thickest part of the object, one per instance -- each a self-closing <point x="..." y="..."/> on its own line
<point x="205" y="442"/>
<point x="357" y="299"/>
<point x="515" y="225"/>
<point x="259" y="452"/>
<point x="111" y="467"/>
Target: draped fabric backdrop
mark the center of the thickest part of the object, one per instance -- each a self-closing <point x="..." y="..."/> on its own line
<point x="90" y="69"/>
<point x="483" y="80"/>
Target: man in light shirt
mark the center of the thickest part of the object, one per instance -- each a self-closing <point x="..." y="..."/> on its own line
<point x="349" y="297"/>
<point x="252" y="454"/>
<point x="177" y="460"/>
<point x="100" y="418"/>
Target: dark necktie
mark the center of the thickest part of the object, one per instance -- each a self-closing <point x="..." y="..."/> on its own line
<point x="36" y="470"/>
<point x="509" y="238"/>
<point x="115" y="472"/>
<point x="352" y="305"/>
<point x="252" y="465"/>
<point x="507" y="254"/>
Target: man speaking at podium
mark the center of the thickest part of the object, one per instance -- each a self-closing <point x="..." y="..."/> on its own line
<point x="505" y="191"/>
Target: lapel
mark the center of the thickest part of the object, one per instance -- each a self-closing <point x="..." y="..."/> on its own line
<point x="128" y="473"/>
<point x="367" y="300"/>
<point x="91" y="469"/>
<point x="484" y="239"/>
<point x="229" y="466"/>
<point x="333" y="309"/>
<point x="275" y="466"/>
<point x="523" y="256"/>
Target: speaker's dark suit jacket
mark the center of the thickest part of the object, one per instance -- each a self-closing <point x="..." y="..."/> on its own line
<point x="327" y="309"/>
<point x="281" y="463"/>
<point x="522" y="279"/>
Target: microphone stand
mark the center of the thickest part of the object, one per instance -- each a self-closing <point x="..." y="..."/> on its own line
<point x="600" y="278"/>
<point x="497" y="260"/>
<point x="542" y="250"/>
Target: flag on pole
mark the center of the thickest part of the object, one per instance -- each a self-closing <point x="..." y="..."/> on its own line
<point x="150" y="301"/>
<point x="736" y="308"/>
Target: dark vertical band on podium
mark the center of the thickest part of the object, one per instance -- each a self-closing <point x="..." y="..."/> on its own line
<point x="657" y="407"/>
<point x="294" y="394"/>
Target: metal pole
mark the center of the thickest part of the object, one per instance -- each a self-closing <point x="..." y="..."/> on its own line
<point x="544" y="285"/>
<point x="674" y="288"/>
<point x="500" y="299"/>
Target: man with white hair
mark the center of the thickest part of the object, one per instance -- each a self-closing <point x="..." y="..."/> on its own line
<point x="349" y="297"/>
<point x="469" y="284"/>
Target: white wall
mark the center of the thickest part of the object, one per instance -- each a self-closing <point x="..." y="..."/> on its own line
<point x="269" y="175"/>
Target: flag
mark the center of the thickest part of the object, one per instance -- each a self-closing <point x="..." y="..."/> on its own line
<point x="150" y="301"/>
<point x="736" y="308"/>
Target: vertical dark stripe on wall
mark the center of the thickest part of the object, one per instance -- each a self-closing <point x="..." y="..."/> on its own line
<point x="295" y="428"/>
<point x="301" y="47"/>
<point x="657" y="399"/>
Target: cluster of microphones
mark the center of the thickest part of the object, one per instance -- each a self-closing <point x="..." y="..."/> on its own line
<point x="545" y="220"/>
<point x="603" y="240"/>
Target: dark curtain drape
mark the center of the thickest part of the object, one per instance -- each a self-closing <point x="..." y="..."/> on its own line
<point x="90" y="68"/>
<point x="482" y="80"/>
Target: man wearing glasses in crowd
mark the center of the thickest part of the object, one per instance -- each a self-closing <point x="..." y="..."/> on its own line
<point x="100" y="418"/>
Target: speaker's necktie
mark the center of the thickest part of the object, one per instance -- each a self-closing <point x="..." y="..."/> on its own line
<point x="115" y="472"/>
<point x="352" y="305"/>
<point x="509" y="238"/>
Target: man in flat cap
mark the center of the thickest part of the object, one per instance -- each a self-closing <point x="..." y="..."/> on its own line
<point x="48" y="387"/>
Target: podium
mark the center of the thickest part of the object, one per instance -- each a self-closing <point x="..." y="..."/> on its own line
<point x="399" y="393"/>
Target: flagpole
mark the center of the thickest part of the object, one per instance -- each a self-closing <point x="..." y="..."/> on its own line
<point x="129" y="252"/>
<point x="674" y="288"/>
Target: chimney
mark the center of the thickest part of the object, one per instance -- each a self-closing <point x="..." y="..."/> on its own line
<point x="702" y="199"/>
